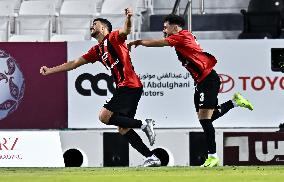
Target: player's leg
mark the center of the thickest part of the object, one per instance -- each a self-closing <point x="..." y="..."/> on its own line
<point x="205" y="99"/>
<point x="109" y="114"/>
<point x="137" y="143"/>
<point x="205" y="120"/>
<point x="132" y="137"/>
<point x="116" y="112"/>
<point x="237" y="101"/>
<point x="120" y="111"/>
<point x="112" y="118"/>
<point x="222" y="109"/>
<point x="128" y="110"/>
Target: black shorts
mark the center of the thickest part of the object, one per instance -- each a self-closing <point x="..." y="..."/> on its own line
<point x="206" y="92"/>
<point x="124" y="101"/>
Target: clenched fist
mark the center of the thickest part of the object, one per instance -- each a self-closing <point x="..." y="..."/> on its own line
<point x="44" y="70"/>
<point x="128" y="12"/>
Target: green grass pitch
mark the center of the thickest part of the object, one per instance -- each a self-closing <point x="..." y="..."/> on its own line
<point x="161" y="174"/>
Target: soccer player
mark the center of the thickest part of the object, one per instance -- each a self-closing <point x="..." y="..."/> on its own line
<point x="112" y="52"/>
<point x="200" y="65"/>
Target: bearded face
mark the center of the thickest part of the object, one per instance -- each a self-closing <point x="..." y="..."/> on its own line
<point x="169" y="29"/>
<point x="96" y="29"/>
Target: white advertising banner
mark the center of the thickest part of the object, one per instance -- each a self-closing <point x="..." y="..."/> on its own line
<point x="83" y="103"/>
<point x="30" y="149"/>
<point x="244" y="66"/>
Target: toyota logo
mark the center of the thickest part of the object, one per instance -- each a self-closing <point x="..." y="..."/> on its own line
<point x="227" y="83"/>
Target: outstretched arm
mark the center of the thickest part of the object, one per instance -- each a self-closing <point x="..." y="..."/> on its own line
<point x="63" y="67"/>
<point x="127" y="24"/>
<point x="148" y="43"/>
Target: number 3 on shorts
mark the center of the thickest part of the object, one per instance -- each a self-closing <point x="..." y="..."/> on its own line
<point x="201" y="99"/>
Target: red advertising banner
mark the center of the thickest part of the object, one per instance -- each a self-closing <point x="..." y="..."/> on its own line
<point x="29" y="100"/>
<point x="253" y="148"/>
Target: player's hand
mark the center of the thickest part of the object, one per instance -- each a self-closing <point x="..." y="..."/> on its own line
<point x="128" y="12"/>
<point x="44" y="70"/>
<point x="134" y="43"/>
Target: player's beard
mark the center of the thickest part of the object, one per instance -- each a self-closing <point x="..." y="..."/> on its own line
<point x="95" y="34"/>
<point x="165" y="35"/>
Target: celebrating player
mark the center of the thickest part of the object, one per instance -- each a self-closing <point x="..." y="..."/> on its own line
<point x="200" y="65"/>
<point x="112" y="52"/>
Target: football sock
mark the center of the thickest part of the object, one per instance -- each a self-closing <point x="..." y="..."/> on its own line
<point x="124" y="122"/>
<point x="213" y="155"/>
<point x="222" y="109"/>
<point x="209" y="132"/>
<point x="137" y="143"/>
<point x="144" y="124"/>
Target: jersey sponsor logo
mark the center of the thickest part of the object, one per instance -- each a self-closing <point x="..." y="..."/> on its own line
<point x="113" y="64"/>
<point x="105" y="59"/>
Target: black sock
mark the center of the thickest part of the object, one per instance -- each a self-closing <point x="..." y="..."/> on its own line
<point x="209" y="132"/>
<point x="124" y="122"/>
<point x="222" y="109"/>
<point x="137" y="143"/>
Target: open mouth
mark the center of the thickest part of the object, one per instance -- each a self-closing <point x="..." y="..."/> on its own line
<point x="94" y="33"/>
<point x="165" y="35"/>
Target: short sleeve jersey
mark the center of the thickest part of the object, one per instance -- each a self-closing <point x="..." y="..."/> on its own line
<point x="112" y="52"/>
<point x="191" y="55"/>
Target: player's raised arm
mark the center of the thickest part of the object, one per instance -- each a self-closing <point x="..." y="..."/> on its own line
<point x="127" y="24"/>
<point x="63" y="67"/>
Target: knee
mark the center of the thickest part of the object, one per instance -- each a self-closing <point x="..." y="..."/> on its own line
<point x="104" y="116"/>
<point x="123" y="131"/>
<point x="205" y="114"/>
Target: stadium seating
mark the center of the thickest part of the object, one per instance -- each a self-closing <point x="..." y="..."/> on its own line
<point x="15" y="3"/>
<point x="210" y="6"/>
<point x="115" y="14"/>
<point x="57" y="3"/>
<point x="225" y="19"/>
<point x="76" y="17"/>
<point x="35" y="18"/>
<point x="263" y="19"/>
<point x="261" y="25"/>
<point x="6" y="15"/>
<point x="68" y="19"/>
<point x="27" y="38"/>
<point x="67" y="37"/>
<point x="97" y="2"/>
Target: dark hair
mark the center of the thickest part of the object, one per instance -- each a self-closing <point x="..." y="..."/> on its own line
<point x="174" y="19"/>
<point x="104" y="21"/>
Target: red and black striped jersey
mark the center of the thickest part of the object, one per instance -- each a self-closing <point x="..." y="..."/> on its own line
<point x="191" y="55"/>
<point x="112" y="52"/>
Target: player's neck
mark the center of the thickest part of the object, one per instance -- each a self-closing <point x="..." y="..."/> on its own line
<point x="178" y="30"/>
<point x="101" y="36"/>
